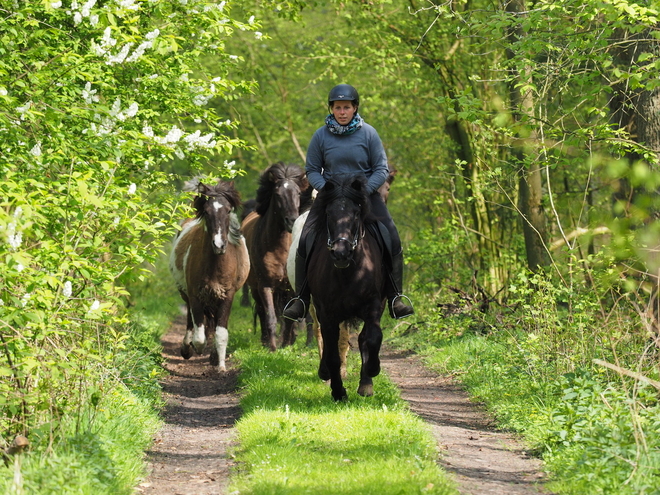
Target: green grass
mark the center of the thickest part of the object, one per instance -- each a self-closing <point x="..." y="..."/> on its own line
<point x="596" y="432"/>
<point x="293" y="438"/>
<point x="104" y="457"/>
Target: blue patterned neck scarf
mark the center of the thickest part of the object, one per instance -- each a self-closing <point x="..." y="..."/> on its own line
<point x="343" y="130"/>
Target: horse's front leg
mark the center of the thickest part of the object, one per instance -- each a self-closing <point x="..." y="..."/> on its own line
<point x="198" y="329"/>
<point x="219" y="351"/>
<point x="269" y="322"/>
<point x="369" y="340"/>
<point x="186" y="348"/>
<point x="330" y="365"/>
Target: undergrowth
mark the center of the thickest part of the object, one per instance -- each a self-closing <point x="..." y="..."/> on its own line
<point x="532" y="363"/>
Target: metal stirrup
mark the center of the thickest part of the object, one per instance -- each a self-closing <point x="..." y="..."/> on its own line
<point x="297" y="298"/>
<point x="400" y="296"/>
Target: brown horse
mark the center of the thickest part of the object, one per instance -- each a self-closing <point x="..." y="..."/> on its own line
<point x="210" y="262"/>
<point x="283" y="193"/>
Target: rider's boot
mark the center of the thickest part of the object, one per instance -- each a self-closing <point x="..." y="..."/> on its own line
<point x="399" y="304"/>
<point x="298" y="307"/>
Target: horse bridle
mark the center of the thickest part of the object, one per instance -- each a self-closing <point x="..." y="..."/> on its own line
<point x="358" y="235"/>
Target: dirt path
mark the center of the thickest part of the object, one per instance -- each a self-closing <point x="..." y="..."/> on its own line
<point x="190" y="454"/>
<point x="481" y="459"/>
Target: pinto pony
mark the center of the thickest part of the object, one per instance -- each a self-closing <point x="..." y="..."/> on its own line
<point x="209" y="261"/>
<point x="347" y="279"/>
<point x="282" y="195"/>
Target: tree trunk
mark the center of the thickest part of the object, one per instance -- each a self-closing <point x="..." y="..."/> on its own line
<point x="530" y="183"/>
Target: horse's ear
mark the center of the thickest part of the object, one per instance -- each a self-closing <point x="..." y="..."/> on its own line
<point x="203" y="189"/>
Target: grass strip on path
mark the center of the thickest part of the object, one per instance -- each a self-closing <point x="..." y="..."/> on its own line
<point x="293" y="438"/>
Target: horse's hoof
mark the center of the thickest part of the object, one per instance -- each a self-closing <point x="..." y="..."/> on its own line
<point x="324" y="373"/>
<point x="214" y="360"/>
<point x="186" y="351"/>
<point x="366" y="390"/>
<point x="341" y="396"/>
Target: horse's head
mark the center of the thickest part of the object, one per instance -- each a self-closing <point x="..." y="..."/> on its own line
<point x="214" y="206"/>
<point x="281" y="187"/>
<point x="346" y="207"/>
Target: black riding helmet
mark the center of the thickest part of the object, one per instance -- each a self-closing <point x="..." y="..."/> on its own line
<point x="344" y="92"/>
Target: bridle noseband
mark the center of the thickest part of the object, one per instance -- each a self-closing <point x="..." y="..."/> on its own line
<point x="358" y="235"/>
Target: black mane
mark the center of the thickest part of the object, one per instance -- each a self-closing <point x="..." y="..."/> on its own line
<point x="351" y="187"/>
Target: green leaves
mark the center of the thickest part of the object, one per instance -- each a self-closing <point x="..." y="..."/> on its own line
<point x="95" y="101"/>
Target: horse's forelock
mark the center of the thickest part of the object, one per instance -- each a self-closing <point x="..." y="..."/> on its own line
<point x="269" y="178"/>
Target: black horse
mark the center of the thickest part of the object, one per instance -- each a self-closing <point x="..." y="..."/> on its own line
<point x="347" y="278"/>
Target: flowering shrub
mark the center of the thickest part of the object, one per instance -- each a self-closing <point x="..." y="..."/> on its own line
<point x="95" y="97"/>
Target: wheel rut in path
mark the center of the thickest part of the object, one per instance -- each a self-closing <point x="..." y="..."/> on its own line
<point x="190" y="453"/>
<point x="481" y="459"/>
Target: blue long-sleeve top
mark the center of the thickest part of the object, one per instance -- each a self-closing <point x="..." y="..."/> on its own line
<point x="329" y="154"/>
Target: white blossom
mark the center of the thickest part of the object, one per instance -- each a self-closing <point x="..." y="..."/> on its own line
<point x="77" y="18"/>
<point x="132" y="110"/>
<point x="95" y="305"/>
<point x="3" y="91"/>
<point x="20" y="267"/>
<point x="179" y="153"/>
<point x="251" y="20"/>
<point x="233" y="57"/>
<point x="201" y="100"/>
<point x="173" y="136"/>
<point x="153" y="34"/>
<point x="15" y="240"/>
<point x="18" y="212"/>
<point x="116" y="107"/>
<point x="129" y="4"/>
<point x="56" y="5"/>
<point x="196" y="140"/>
<point x="2" y="303"/>
<point x="25" y="299"/>
<point x="93" y="19"/>
<point x="36" y="150"/>
<point x="121" y="56"/>
<point x="153" y="76"/>
<point x="258" y="35"/>
<point x="147" y="131"/>
<point x="132" y="188"/>
<point x="89" y="94"/>
<point x="86" y="9"/>
<point x="22" y="110"/>
<point x="66" y="289"/>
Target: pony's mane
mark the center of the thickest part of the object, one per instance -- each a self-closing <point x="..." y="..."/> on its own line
<point x="222" y="189"/>
<point x="351" y="187"/>
<point x="271" y="175"/>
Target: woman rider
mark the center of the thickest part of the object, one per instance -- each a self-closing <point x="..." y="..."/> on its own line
<point x="346" y="144"/>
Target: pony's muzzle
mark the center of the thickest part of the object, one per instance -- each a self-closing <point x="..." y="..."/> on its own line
<point x="342" y="253"/>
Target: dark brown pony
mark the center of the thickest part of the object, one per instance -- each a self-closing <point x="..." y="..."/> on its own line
<point x="209" y="262"/>
<point x="283" y="193"/>
<point x="347" y="279"/>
